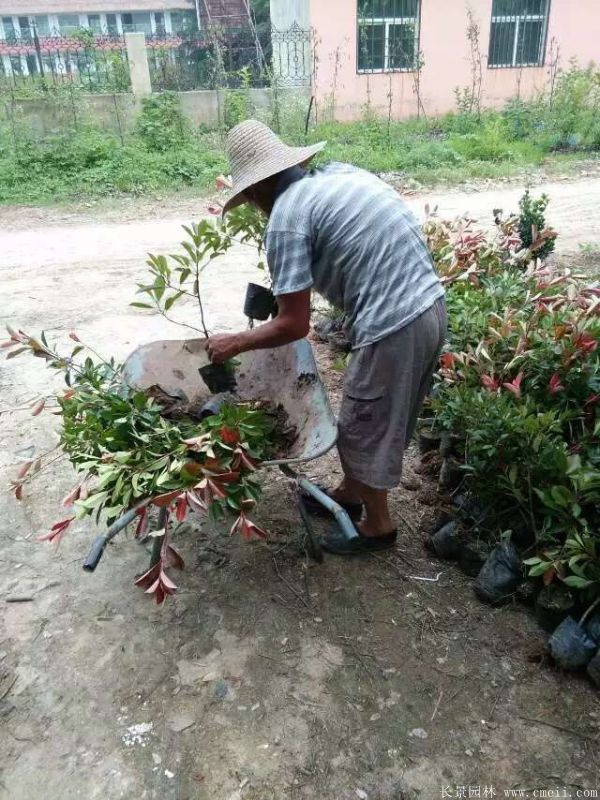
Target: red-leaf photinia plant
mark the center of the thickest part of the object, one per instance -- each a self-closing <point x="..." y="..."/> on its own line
<point x="518" y="388"/>
<point x="128" y="455"/>
<point x="126" y="450"/>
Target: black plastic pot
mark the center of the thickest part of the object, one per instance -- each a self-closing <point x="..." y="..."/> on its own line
<point x="570" y="646"/>
<point x="260" y="302"/>
<point x="593" y="628"/>
<point x="500" y="575"/>
<point x="451" y="475"/>
<point x="473" y="555"/>
<point x="527" y="592"/>
<point x="446" y="543"/>
<point x="214" y="404"/>
<point x="449" y="444"/>
<point x="442" y="517"/>
<point x="428" y="440"/>
<point x="553" y="604"/>
<point x="593" y="669"/>
<point x="218" y="377"/>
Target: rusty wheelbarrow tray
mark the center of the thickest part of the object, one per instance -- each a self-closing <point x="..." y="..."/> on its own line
<point x="286" y="375"/>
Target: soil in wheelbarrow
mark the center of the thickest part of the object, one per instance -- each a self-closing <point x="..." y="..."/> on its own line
<point x="282" y="434"/>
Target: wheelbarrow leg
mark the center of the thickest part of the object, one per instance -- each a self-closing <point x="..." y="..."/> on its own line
<point x="340" y="515"/>
<point x="314" y="546"/>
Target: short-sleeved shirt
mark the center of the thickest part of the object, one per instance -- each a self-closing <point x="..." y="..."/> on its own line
<point x="350" y="235"/>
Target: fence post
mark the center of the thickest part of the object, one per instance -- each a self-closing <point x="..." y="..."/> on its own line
<point x="138" y="63"/>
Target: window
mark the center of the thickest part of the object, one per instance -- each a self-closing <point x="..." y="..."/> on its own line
<point x="26" y="32"/>
<point x="95" y="24"/>
<point x="139" y="22"/>
<point x="111" y="24"/>
<point x="9" y="27"/>
<point x="518" y="35"/>
<point x="388" y="35"/>
<point x="68" y="23"/>
<point x="183" y="21"/>
<point x="42" y="27"/>
<point x="159" y="22"/>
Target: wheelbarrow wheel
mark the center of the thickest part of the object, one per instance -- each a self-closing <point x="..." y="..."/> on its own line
<point x="313" y="545"/>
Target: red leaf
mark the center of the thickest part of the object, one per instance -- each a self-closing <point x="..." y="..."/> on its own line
<point x="56" y="532"/>
<point x="24" y="469"/>
<point x="246" y="528"/>
<point x="72" y="496"/>
<point x="73" y="335"/>
<point x="229" y="435"/>
<point x="549" y="576"/>
<point x="193" y="467"/>
<point x="142" y="525"/>
<point x="447" y="360"/>
<point x="38" y="407"/>
<point x="489" y="383"/>
<point x="147" y="579"/>
<point x="196" y="503"/>
<point x="166" y="499"/>
<point x="242" y="459"/>
<point x="181" y="508"/>
<point x="514" y="386"/>
<point x="555" y="386"/>
<point x="69" y="393"/>
<point x="174" y="558"/>
<point x="19" y="491"/>
<point x="586" y="342"/>
<point x="156" y="581"/>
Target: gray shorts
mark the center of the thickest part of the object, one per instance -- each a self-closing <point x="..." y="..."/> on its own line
<point x="385" y="386"/>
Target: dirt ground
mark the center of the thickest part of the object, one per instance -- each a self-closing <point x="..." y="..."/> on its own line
<point x="267" y="676"/>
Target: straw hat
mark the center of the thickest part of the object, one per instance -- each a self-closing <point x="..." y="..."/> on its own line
<point x="256" y="153"/>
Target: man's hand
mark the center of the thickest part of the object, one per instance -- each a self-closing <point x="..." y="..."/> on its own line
<point x="222" y="347"/>
<point x="291" y="323"/>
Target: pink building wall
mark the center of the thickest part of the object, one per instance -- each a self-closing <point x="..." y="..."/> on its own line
<point x="575" y="26"/>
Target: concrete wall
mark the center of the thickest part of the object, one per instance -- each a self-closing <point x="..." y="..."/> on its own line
<point x="118" y="112"/>
<point x="284" y="13"/>
<point x="575" y="27"/>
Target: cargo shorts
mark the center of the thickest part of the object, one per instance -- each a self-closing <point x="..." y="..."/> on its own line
<point x="386" y="383"/>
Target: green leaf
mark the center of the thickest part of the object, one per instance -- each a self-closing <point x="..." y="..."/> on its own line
<point x="561" y="496"/>
<point x="576" y="582"/>
<point x="171" y="300"/>
<point x="141" y="305"/>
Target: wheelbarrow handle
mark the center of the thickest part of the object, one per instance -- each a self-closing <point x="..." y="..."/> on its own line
<point x="98" y="545"/>
<point x="95" y="554"/>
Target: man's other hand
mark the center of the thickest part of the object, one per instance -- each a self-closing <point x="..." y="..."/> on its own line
<point x="222" y="347"/>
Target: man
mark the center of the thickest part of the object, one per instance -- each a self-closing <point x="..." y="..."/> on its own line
<point x="348" y="235"/>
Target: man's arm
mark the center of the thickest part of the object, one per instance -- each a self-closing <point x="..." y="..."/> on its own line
<point x="291" y="323"/>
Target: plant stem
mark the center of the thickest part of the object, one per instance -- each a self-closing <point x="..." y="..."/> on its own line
<point x="200" y="300"/>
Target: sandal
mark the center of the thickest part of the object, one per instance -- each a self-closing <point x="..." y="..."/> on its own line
<point x="335" y="542"/>
<point x="312" y="505"/>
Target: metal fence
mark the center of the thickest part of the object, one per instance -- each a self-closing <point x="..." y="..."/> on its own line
<point x="214" y="58"/>
<point x="92" y="63"/>
<point x="229" y="57"/>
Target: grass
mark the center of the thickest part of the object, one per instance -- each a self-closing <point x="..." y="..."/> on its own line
<point x="164" y="154"/>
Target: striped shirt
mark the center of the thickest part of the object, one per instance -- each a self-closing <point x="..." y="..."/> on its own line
<point x="349" y="235"/>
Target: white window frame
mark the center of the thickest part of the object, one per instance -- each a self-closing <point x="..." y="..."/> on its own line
<point x="387" y="22"/>
<point x="518" y="19"/>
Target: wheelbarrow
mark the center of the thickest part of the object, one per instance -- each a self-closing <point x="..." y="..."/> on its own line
<point x="286" y="375"/>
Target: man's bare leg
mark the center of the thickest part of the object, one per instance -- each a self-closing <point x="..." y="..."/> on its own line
<point x="377" y="521"/>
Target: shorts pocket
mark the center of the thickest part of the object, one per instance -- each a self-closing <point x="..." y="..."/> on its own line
<point x="363" y="409"/>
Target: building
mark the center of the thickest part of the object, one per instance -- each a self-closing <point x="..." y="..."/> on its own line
<point x="44" y="36"/>
<point x="20" y="18"/>
<point x="368" y="51"/>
